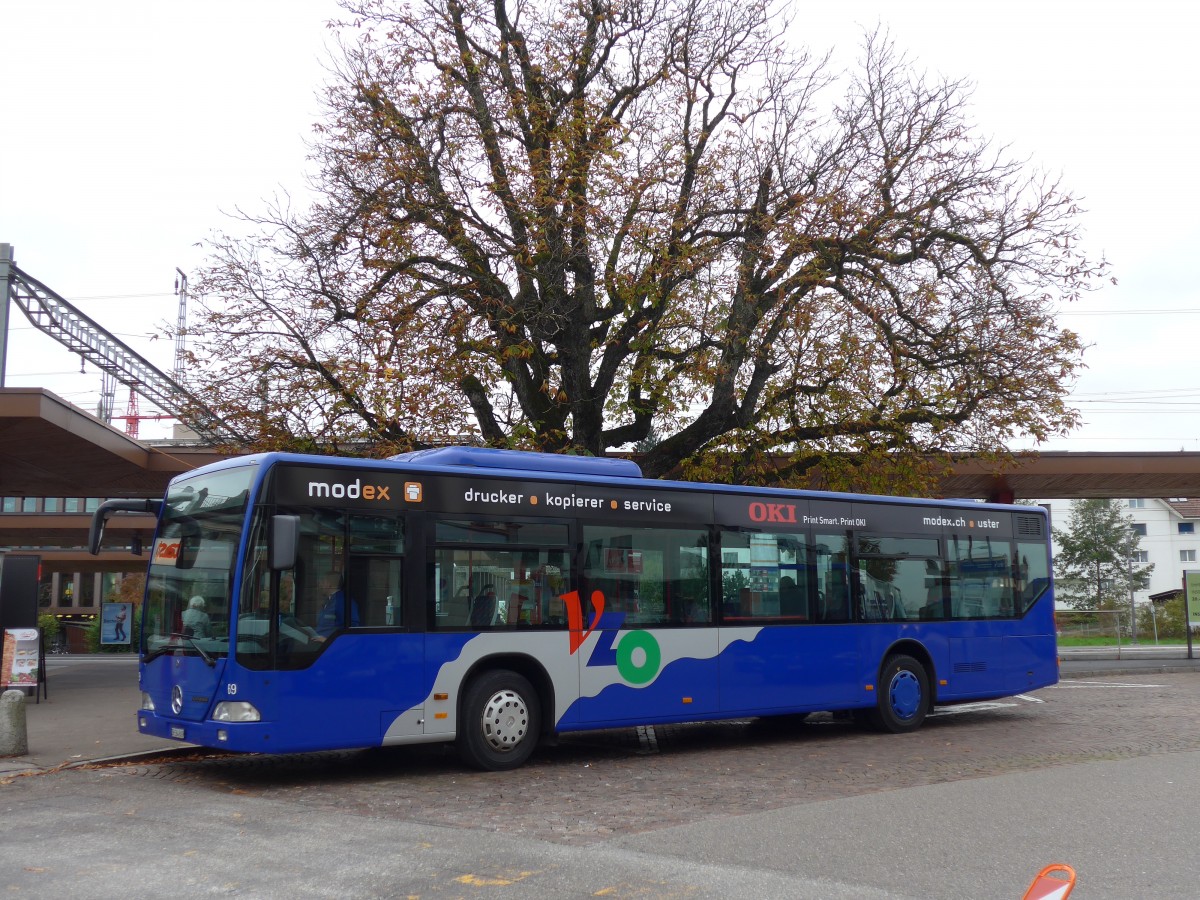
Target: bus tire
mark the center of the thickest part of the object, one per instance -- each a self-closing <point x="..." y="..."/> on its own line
<point x="903" y="698"/>
<point x="501" y="717"/>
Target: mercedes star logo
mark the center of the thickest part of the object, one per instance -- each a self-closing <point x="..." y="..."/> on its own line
<point x="177" y="699"/>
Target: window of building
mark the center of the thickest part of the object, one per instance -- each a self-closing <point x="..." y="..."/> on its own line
<point x="1137" y="504"/>
<point x="72" y="504"/>
<point x="1187" y="527"/>
<point x="11" y="504"/>
<point x="1141" y="556"/>
<point x="46" y="592"/>
<point x="87" y="591"/>
<point x="29" y="504"/>
<point x="91" y="504"/>
<point x="52" y="505"/>
<point x="1139" y="528"/>
<point x="1187" y="555"/>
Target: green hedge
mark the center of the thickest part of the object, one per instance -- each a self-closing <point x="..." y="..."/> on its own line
<point x="50" y="627"/>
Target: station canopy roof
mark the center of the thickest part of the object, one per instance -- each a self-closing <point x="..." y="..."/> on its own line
<point x="49" y="448"/>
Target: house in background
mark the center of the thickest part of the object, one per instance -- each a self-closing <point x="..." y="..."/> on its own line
<point x="1170" y="537"/>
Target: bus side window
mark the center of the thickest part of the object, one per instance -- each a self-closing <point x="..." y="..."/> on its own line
<point x="484" y="587"/>
<point x="1032" y="574"/>
<point x="764" y="575"/>
<point x="981" y="583"/>
<point x="374" y="569"/>
<point x="833" y="578"/>
<point x="648" y="576"/>
<point x="374" y="587"/>
<point x="936" y="586"/>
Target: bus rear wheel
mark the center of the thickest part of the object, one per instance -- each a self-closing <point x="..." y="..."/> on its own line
<point x="903" y="698"/>
<point x="501" y="718"/>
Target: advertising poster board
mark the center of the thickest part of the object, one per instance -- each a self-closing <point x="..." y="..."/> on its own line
<point x="19" y="576"/>
<point x="1191" y="586"/>
<point x="115" y="621"/>
<point x="21" y="660"/>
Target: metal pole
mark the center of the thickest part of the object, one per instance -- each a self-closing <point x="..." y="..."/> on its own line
<point x="181" y="323"/>
<point x="1132" y="600"/>
<point x="6" y="264"/>
<point x="1187" y="618"/>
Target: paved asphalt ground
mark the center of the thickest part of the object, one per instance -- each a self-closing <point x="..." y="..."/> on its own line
<point x="1098" y="772"/>
<point x="90" y="711"/>
<point x="89" y="714"/>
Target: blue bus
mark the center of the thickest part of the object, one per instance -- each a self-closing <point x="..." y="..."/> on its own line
<point x="495" y="598"/>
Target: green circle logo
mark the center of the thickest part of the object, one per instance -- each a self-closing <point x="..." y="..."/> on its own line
<point x="644" y="669"/>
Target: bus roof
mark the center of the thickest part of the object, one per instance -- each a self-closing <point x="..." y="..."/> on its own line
<point x="529" y="465"/>
<point x="523" y="460"/>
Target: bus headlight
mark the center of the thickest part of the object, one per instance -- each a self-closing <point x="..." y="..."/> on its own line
<point x="236" y="711"/>
<point x="147" y="702"/>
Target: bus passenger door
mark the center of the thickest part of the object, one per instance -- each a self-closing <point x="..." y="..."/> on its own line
<point x="787" y="642"/>
<point x="780" y="668"/>
<point x="641" y="626"/>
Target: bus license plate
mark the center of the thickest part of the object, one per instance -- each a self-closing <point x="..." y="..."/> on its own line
<point x="177" y="732"/>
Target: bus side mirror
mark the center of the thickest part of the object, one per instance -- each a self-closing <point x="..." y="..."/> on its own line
<point x="107" y="508"/>
<point x="284" y="542"/>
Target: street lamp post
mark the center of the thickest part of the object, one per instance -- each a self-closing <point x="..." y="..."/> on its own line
<point x="1132" y="608"/>
<point x="1132" y="601"/>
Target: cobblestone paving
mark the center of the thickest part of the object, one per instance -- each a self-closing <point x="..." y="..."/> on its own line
<point x="590" y="787"/>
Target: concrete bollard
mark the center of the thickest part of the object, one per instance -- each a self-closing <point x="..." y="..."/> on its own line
<point x="14" y="738"/>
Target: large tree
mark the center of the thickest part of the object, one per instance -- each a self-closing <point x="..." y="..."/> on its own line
<point x="1094" y="567"/>
<point x="577" y="226"/>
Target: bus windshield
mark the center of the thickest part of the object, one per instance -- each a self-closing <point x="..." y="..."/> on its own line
<point x="188" y="590"/>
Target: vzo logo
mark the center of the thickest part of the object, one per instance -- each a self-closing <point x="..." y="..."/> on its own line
<point x="636" y="655"/>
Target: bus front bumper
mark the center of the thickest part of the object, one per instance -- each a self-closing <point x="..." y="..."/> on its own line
<point x="253" y="737"/>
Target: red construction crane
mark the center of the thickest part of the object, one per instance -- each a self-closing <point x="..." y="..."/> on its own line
<point x="132" y="417"/>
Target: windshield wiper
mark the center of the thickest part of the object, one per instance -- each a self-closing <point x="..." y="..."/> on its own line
<point x="154" y="654"/>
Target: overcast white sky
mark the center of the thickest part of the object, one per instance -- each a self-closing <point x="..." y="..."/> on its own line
<point x="130" y="127"/>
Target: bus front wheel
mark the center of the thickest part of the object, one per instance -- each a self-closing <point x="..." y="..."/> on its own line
<point x="903" y="698"/>
<point x="500" y="721"/>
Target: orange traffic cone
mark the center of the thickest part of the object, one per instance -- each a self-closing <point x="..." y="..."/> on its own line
<point x="1052" y="883"/>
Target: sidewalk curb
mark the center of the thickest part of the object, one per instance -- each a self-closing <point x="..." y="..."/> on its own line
<point x="1166" y="668"/>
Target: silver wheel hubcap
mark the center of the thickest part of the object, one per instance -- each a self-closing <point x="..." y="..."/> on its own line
<point x="505" y="720"/>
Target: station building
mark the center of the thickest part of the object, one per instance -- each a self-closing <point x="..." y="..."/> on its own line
<point x="57" y="464"/>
